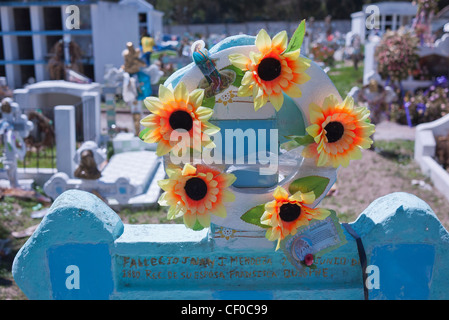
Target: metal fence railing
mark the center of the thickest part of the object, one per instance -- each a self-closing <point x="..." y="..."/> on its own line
<point x="40" y="144"/>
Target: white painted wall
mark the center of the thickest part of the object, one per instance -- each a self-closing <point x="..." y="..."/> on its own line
<point x="39" y="43"/>
<point x="155" y="26"/>
<point x="10" y="47"/>
<point x="112" y="27"/>
<point x="358" y="25"/>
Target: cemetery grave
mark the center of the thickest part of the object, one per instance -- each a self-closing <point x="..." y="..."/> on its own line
<point x="249" y="231"/>
<point x="296" y="198"/>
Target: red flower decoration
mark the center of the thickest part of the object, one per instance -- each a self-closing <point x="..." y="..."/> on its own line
<point x="308" y="259"/>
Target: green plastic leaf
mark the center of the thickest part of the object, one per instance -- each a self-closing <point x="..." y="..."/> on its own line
<point x="316" y="184"/>
<point x="289" y="145"/>
<point x="237" y="71"/>
<point x="197" y="226"/>
<point x="209" y="102"/>
<point x="302" y="140"/>
<point x="143" y="132"/>
<point x="238" y="81"/>
<point x="297" y="141"/>
<point x="297" y="38"/>
<point x="238" y="75"/>
<point x="253" y="216"/>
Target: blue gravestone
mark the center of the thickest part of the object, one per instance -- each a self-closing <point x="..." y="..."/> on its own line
<point x="401" y="236"/>
<point x="396" y="249"/>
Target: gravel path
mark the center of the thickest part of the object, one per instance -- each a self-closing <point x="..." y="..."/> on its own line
<point x="387" y="130"/>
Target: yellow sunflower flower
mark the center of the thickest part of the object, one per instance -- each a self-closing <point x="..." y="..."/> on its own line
<point x="286" y="214"/>
<point x="177" y="110"/>
<point x="271" y="72"/>
<point x="339" y="130"/>
<point x="195" y="193"/>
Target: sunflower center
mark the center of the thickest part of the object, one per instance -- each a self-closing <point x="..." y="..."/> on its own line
<point x="269" y="69"/>
<point x="334" y="131"/>
<point x="196" y="188"/>
<point x="181" y="120"/>
<point x="289" y="212"/>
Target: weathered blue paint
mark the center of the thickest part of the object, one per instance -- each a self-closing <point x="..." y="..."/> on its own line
<point x="409" y="268"/>
<point x="75" y="218"/>
<point x="400" y="233"/>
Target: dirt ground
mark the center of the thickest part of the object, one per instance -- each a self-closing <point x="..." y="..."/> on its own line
<point x="375" y="176"/>
<point x="379" y="173"/>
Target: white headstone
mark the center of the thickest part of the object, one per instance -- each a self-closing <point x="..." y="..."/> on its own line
<point x="65" y="139"/>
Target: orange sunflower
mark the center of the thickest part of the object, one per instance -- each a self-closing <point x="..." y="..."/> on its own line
<point x="271" y="72"/>
<point x="339" y="131"/>
<point x="196" y="193"/>
<point x="177" y="110"/>
<point x="286" y="214"/>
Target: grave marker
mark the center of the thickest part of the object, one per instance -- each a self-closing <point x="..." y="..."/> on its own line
<point x="82" y="237"/>
<point x="246" y="234"/>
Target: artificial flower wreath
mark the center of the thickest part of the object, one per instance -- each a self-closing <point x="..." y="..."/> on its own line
<point x="336" y="135"/>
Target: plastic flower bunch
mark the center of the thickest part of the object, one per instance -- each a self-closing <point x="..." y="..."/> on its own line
<point x="274" y="69"/>
<point x="286" y="214"/>
<point x="196" y="193"/>
<point x="193" y="192"/>
<point x="323" y="53"/>
<point x="176" y="110"/>
<point x="396" y="54"/>
<point x="424" y="106"/>
<point x="428" y="6"/>
<point x="337" y="133"/>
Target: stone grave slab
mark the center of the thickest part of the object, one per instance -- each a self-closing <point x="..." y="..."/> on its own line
<point x="126" y="175"/>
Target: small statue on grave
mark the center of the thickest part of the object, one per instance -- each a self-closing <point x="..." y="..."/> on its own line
<point x="88" y="157"/>
<point x="87" y="168"/>
<point x="376" y="97"/>
<point x="5" y="91"/>
<point x="133" y="63"/>
<point x="59" y="64"/>
<point x="136" y="83"/>
<point x="45" y="127"/>
<point x="442" y="151"/>
<point x="14" y="127"/>
<point x="214" y="81"/>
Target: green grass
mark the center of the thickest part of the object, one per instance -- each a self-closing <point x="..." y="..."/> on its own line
<point x="32" y="161"/>
<point x="400" y="151"/>
<point x="44" y="161"/>
<point x="346" y="77"/>
<point x="148" y="216"/>
<point x="156" y="55"/>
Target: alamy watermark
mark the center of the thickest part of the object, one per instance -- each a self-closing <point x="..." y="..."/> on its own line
<point x="73" y="280"/>
<point x="373" y="17"/>
<point x="373" y="277"/>
<point x="72" y="21"/>
<point x="236" y="147"/>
